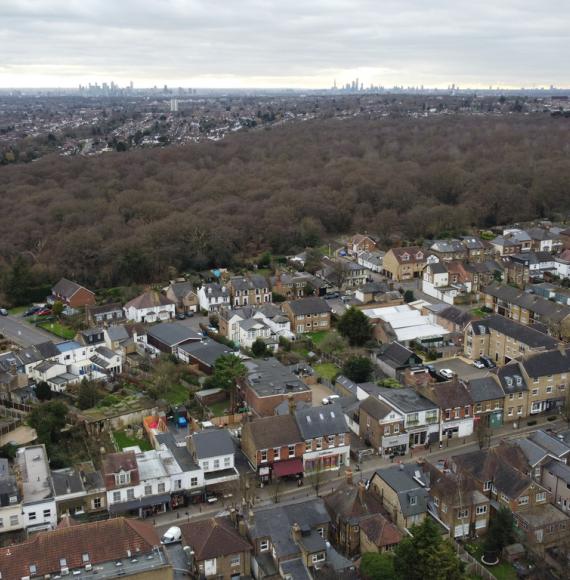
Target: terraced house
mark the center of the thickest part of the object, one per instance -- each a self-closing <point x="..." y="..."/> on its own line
<point x="249" y="290"/>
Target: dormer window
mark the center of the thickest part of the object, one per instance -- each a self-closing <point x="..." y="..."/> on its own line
<point x="419" y="256"/>
<point x="122" y="478"/>
<point x="413" y="500"/>
<point x="405" y="257"/>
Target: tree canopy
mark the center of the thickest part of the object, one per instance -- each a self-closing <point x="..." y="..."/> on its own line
<point x="48" y="419"/>
<point x="355" y="327"/>
<point x="358" y="369"/>
<point x="227" y="370"/>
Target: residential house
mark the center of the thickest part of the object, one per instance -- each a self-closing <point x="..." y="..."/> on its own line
<point x="326" y="436"/>
<point x="213" y="296"/>
<point x="167" y="337"/>
<point x="105" y="314"/>
<point x="477" y="250"/>
<point x="71" y="294"/>
<point x="79" y="492"/>
<point x="506" y="245"/>
<point x="515" y="387"/>
<point x="125" y="338"/>
<point x="274" y="447"/>
<point x="182" y="293"/>
<point x="150" y="307"/>
<point x="489" y="401"/>
<point x="289" y="541"/>
<point x="456" y="502"/>
<point x="269" y="383"/>
<point x="528" y="308"/>
<point x="310" y="314"/>
<point x="342" y="274"/>
<point x="547" y="375"/>
<point x="203" y="355"/>
<point x="39" y="510"/>
<point x="555" y="477"/>
<point x="544" y="240"/>
<point x="378" y="292"/>
<point x="503" y="339"/>
<point x="102" y="547"/>
<point x="522" y="268"/>
<point x="382" y="427"/>
<point x="406" y="263"/>
<point x="249" y="290"/>
<point x="349" y="506"/>
<point x="455" y="408"/>
<point x="378" y="534"/>
<point x="447" y="250"/>
<point x="214" y="451"/>
<point x="562" y="264"/>
<point x="10" y="500"/>
<point x="361" y="243"/>
<point x="402" y="490"/>
<point x="421" y="416"/>
<point x="393" y="359"/>
<point x="450" y="317"/>
<point x="290" y="285"/>
<point x="217" y="548"/>
<point x="565" y="238"/>
<point x="373" y="261"/>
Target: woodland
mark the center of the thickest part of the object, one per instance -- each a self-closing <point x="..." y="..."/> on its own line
<point x="138" y="216"/>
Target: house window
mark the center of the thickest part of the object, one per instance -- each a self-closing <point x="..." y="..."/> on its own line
<point x="505" y="498"/>
<point x="264" y="546"/>
<point x="130" y="493"/>
<point x="122" y="478"/>
<point x="534" y="392"/>
<point x="216" y="464"/>
<point x="319" y="443"/>
<point x="14" y="520"/>
<point x="235" y="560"/>
<point x="478" y="408"/>
<point x="96" y="503"/>
<point x="549" y="390"/>
<point x="330" y="440"/>
<point x="161" y="487"/>
<point x="387" y="430"/>
<point x="263" y="455"/>
<point x="497" y="405"/>
<point x="227" y="461"/>
<point x="341" y="439"/>
<point x="85" y="558"/>
<point x="177" y="484"/>
<point x="457" y="412"/>
<point x="321" y="532"/>
<point x="519" y="410"/>
<point x="511" y="396"/>
<point x="436" y="501"/>
<point x="148" y="489"/>
<point x="480" y="510"/>
<point x="116" y="496"/>
<point x="510" y="412"/>
<point x="33" y="569"/>
<point x="193" y="481"/>
<point x="62" y="562"/>
<point x="291" y="449"/>
<point x="462" y="514"/>
<point x="309" y="444"/>
<point x="206" y="465"/>
<point x="276" y="453"/>
<point x="541" y="496"/>
<point x="318" y="557"/>
<point x="466" y="411"/>
<point x="413" y="500"/>
<point x="444" y="508"/>
<point x="520" y="395"/>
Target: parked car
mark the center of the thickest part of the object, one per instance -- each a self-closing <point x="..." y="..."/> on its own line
<point x="44" y="312"/>
<point x="172" y="535"/>
<point x="446" y="373"/>
<point x="189" y="314"/>
<point x="488" y="362"/>
<point x="180" y="316"/>
<point x="330" y="399"/>
<point x="3" y="312"/>
<point x="479" y="364"/>
<point x="33" y="310"/>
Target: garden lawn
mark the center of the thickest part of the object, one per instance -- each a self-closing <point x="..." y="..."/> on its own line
<point x="219" y="409"/>
<point x="502" y="571"/>
<point x="177" y="394"/>
<point x="18" y="310"/>
<point x="317" y="337"/>
<point x="58" y="329"/>
<point x="479" y="312"/>
<point x="123" y="441"/>
<point x="327" y="370"/>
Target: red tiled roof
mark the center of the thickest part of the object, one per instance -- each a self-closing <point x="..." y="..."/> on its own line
<point x="104" y="541"/>
<point x="116" y="462"/>
<point x="380" y="531"/>
<point x="412" y="251"/>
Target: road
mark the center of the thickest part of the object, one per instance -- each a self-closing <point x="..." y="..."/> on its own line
<point x="22" y="332"/>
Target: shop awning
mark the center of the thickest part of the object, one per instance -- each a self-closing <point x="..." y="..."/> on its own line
<point x="291" y="467"/>
<point x="148" y="501"/>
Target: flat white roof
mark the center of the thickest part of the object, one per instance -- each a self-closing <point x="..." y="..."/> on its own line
<point x="36" y="477"/>
<point x="150" y="466"/>
<point x="407" y="322"/>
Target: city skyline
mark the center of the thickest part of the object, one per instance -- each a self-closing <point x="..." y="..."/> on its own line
<point x="252" y="44"/>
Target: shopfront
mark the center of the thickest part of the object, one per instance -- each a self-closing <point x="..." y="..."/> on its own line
<point x="144" y="507"/>
<point x="394" y="445"/>
<point x="327" y="459"/>
<point x="293" y="468"/>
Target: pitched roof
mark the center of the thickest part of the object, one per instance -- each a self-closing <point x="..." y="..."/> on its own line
<point x="310" y="305"/>
<point x="149" y="299"/>
<point x="271" y="432"/>
<point x="375" y="408"/>
<point x="552" y="362"/>
<point x="213" y="538"/>
<point x="321" y="421"/>
<point x="67" y="288"/>
<point x="212" y="443"/>
<point x="103" y="541"/>
<point x="484" y="389"/>
<point x="403" y="481"/>
<point x="173" y="333"/>
<point x="413" y="252"/>
<point x="380" y="531"/>
<point x="553" y="445"/>
<point x="395" y="353"/>
<point x="511" y="378"/>
<point x="207" y="352"/>
<point x="352" y="502"/>
<point x="407" y="400"/>
<point x="448" y="395"/>
<point x="182" y="289"/>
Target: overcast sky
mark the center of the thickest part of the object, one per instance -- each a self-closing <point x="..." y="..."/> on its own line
<point x="287" y="43"/>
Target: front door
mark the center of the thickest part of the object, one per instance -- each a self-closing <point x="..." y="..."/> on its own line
<point x="418" y="438"/>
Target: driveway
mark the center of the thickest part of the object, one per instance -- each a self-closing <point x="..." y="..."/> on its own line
<point x="22" y="332"/>
<point x="320" y="391"/>
<point x="194" y="322"/>
<point x="462" y="369"/>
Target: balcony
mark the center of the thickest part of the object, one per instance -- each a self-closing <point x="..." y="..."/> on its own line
<point x="432" y="420"/>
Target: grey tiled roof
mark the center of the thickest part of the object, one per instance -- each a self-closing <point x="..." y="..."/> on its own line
<point x="407" y="400"/>
<point x="311" y="305"/>
<point x="552" y="362"/>
<point x="212" y="443"/>
<point x="172" y="333"/>
<point x="321" y="421"/>
<point x="484" y="389"/>
<point x="402" y="481"/>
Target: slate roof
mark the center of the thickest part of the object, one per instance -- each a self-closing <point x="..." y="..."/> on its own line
<point x="449" y="395"/>
<point x="66" y="481"/>
<point x="350" y="503"/>
<point x="526" y="334"/>
<point x="310" y="305"/>
<point x="103" y="541"/>
<point x="349" y="385"/>
<point x="271" y="432"/>
<point x="559" y="469"/>
<point x="117" y="333"/>
<point x="437" y="268"/>
<point x="243" y="283"/>
<point x="181" y="454"/>
<point x="213" y="538"/>
<point x="407" y="400"/>
<point x="412" y="251"/>
<point x="484" y="389"/>
<point x="552" y="362"/>
<point x="321" y="421"/>
<point x="553" y="445"/>
<point x="173" y="333"/>
<point x="533" y="452"/>
<point x="207" y="352"/>
<point x="212" y="443"/>
<point x="406" y="487"/>
<point x="149" y="299"/>
<point x="67" y="288"/>
<point x="511" y="378"/>
<point x="455" y="315"/>
<point x="394" y="354"/>
<point x="182" y="289"/>
<point x="268" y="377"/>
<point x="447" y="246"/>
<point x="375" y="408"/>
<point x="47" y="349"/>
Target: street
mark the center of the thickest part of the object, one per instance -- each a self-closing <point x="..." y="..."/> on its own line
<point x="22" y="332"/>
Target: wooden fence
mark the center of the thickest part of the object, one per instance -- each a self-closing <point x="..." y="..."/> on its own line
<point x="474" y="566"/>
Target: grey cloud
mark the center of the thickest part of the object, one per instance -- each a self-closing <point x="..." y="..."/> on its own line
<point x="291" y="42"/>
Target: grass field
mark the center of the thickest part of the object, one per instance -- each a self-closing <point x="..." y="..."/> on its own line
<point x="502" y="571"/>
<point x="327" y="370"/>
<point x="123" y="441"/>
<point x="58" y="329"/>
<point x="219" y="409"/>
<point x="479" y="312"/>
<point x="177" y="395"/>
<point x="317" y="337"/>
<point x="18" y="310"/>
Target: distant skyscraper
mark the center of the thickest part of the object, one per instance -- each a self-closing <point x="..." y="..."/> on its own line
<point x="173" y="105"/>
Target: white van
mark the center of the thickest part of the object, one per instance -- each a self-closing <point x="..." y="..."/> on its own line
<point x="172" y="536"/>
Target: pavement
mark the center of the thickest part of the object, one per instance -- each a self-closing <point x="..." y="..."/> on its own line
<point x="22" y="332"/>
<point x="461" y="368"/>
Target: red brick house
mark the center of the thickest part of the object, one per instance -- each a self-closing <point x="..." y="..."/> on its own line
<point x="72" y="294"/>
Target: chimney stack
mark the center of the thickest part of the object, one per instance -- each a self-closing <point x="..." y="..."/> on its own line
<point x="292" y="404"/>
<point x="296" y="531"/>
